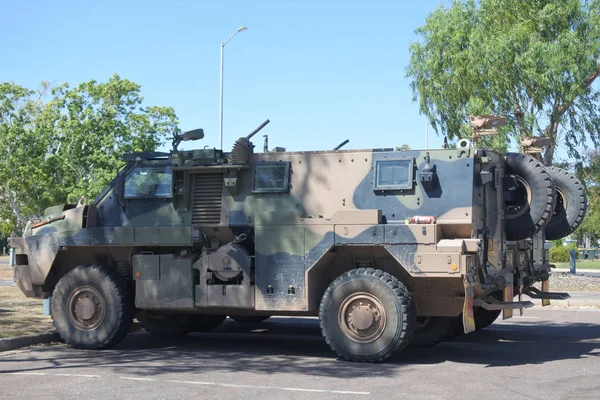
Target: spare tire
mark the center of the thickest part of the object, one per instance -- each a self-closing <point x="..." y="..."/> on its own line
<point x="528" y="204"/>
<point x="571" y="204"/>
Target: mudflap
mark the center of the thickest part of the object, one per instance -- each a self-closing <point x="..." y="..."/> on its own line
<point x="471" y="287"/>
<point x="508" y="298"/>
<point x="546" y="289"/>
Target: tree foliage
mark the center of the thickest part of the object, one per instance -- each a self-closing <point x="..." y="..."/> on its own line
<point x="535" y="62"/>
<point x="561" y="254"/>
<point x="588" y="171"/>
<point x="65" y="142"/>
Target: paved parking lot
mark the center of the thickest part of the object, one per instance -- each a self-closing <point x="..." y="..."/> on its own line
<point x="548" y="353"/>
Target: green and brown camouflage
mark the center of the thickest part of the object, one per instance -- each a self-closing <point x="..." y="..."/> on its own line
<point x="242" y="232"/>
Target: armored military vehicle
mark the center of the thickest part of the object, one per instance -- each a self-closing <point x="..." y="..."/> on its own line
<point x="389" y="247"/>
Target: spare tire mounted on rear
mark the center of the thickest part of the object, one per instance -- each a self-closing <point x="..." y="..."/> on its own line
<point x="571" y="204"/>
<point x="529" y="202"/>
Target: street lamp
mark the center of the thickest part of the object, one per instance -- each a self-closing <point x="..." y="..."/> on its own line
<point x="243" y="28"/>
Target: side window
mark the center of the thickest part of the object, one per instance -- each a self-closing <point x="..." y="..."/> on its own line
<point x="271" y="177"/>
<point x="393" y="174"/>
<point x="154" y="181"/>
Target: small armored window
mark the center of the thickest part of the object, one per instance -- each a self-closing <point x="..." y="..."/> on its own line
<point x="148" y="182"/>
<point x="271" y="177"/>
<point x="393" y="174"/>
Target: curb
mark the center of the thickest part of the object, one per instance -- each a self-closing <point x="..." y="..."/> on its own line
<point x="577" y="270"/>
<point x="23" y="341"/>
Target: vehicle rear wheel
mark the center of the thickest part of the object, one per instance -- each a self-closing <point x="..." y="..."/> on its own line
<point x="205" y="323"/>
<point x="530" y="203"/>
<point x="484" y="318"/>
<point x="429" y="331"/>
<point x="251" y="319"/>
<point x="366" y="315"/>
<point x="92" y="307"/>
<point x="165" y="325"/>
<point x="571" y="204"/>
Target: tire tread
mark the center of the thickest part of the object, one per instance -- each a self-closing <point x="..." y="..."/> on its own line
<point x="403" y="295"/>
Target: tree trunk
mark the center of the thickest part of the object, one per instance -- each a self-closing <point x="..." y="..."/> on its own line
<point x="15" y="208"/>
<point x="551" y="132"/>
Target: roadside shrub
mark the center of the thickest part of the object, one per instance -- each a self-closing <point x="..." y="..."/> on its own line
<point x="560" y="254"/>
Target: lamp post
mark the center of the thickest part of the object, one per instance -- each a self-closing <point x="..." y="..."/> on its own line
<point x="243" y="28"/>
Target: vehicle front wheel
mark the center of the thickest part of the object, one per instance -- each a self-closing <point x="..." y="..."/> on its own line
<point x="366" y="315"/>
<point x="92" y="307"/>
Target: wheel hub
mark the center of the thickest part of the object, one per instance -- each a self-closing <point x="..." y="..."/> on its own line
<point x="86" y="308"/>
<point x="523" y="198"/>
<point x="362" y="317"/>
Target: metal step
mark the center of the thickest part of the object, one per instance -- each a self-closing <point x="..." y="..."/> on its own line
<point x="535" y="293"/>
<point x="500" y="305"/>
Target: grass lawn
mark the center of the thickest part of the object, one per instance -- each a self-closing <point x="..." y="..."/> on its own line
<point x="580" y="264"/>
<point x="20" y="315"/>
<point x="6" y="272"/>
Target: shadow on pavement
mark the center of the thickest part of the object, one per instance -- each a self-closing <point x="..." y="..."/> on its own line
<point x="276" y="347"/>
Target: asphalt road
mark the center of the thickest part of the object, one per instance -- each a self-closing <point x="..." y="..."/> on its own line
<point x="547" y="354"/>
<point x="4" y="262"/>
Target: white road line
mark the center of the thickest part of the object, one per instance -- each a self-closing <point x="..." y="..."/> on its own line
<point x="78" y="375"/>
<point x="348" y="392"/>
<point x="193" y="382"/>
<point x="136" y="379"/>
<point x="304" y="390"/>
<point x="243" y="386"/>
<point x="204" y="383"/>
<point x="270" y="387"/>
<point x="29" y="373"/>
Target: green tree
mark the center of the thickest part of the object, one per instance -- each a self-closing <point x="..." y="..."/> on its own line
<point x="535" y="62"/>
<point x="63" y="143"/>
<point x="588" y="171"/>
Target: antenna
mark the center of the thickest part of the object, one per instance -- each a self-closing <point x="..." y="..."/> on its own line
<point x="339" y="146"/>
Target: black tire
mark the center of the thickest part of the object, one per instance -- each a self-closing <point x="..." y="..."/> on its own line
<point x="205" y="323"/>
<point x="534" y="197"/>
<point x="165" y="325"/>
<point x="431" y="330"/>
<point x="484" y="318"/>
<point x="249" y="319"/>
<point x="391" y="325"/>
<point x="571" y="204"/>
<point x="92" y="307"/>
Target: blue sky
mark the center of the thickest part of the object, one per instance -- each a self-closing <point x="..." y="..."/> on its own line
<point x="322" y="72"/>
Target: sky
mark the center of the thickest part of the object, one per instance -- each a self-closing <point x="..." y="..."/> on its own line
<point x="321" y="72"/>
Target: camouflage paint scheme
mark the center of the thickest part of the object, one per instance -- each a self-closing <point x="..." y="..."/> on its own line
<point x="329" y="219"/>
